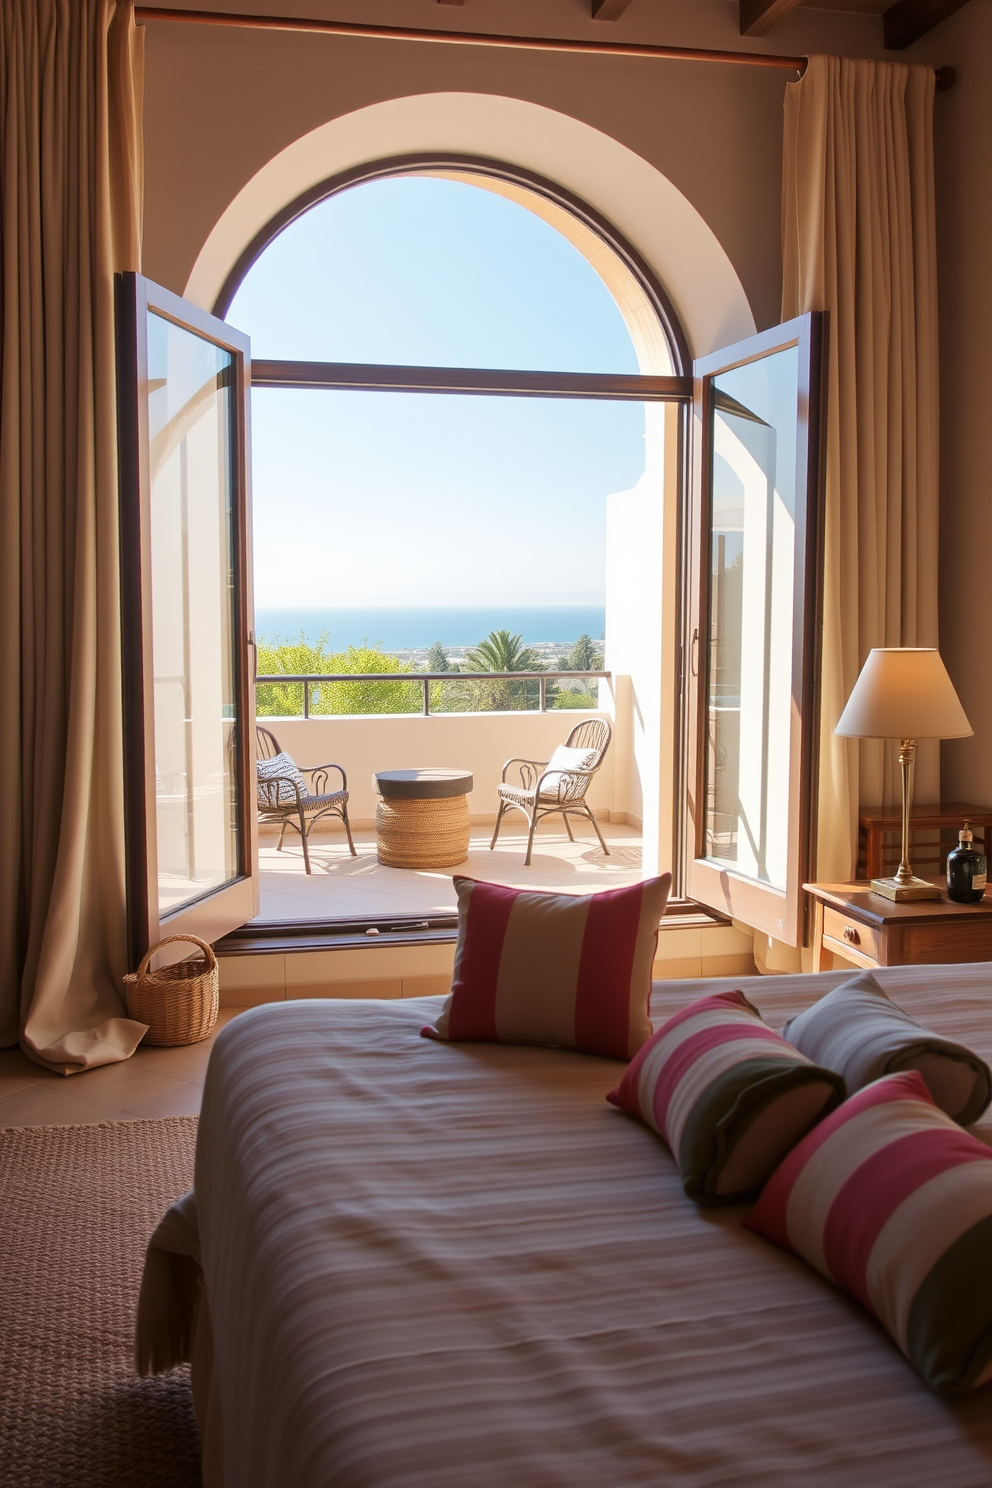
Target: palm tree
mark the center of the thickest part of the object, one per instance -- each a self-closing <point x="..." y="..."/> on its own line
<point x="503" y="652"/>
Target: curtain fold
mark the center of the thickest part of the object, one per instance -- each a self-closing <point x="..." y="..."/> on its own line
<point x="70" y="216"/>
<point x="859" y="241"/>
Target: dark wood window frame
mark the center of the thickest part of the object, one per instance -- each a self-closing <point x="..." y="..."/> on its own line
<point x="778" y="913"/>
<point x="475" y="382"/>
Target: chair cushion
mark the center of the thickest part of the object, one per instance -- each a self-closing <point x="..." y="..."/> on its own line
<point x="858" y="1031"/>
<point x="566" y="759"/>
<point x="567" y="969"/>
<point x="279" y="793"/>
<point x="892" y="1201"/>
<point x="729" y="1095"/>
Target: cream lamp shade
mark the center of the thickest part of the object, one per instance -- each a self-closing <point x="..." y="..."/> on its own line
<point x="904" y="693"/>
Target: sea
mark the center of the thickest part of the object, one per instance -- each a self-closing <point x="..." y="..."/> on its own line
<point x="415" y="628"/>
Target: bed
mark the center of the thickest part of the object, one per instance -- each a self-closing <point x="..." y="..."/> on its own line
<point x="457" y="1266"/>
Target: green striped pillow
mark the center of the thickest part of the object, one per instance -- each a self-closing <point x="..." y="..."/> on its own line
<point x="729" y="1096"/>
<point x="892" y="1201"/>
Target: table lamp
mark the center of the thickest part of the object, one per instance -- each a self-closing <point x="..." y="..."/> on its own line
<point x="904" y="693"/>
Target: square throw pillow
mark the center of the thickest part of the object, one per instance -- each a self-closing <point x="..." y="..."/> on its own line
<point x="729" y="1095"/>
<point x="859" y="1031"/>
<point x="565" y="759"/>
<point x="892" y="1201"/>
<point x="274" y="776"/>
<point x="567" y="969"/>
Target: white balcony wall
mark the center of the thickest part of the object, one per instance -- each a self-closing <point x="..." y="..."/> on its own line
<point x="641" y="635"/>
<point x="480" y="742"/>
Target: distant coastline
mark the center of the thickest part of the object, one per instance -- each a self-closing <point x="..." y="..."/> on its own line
<point x="402" y="630"/>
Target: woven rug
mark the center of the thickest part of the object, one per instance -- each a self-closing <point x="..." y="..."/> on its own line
<point x="77" y="1206"/>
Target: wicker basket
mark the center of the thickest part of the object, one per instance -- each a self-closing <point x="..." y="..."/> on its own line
<point x="178" y="1002"/>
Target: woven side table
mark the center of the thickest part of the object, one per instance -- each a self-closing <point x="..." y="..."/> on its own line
<point x="421" y="820"/>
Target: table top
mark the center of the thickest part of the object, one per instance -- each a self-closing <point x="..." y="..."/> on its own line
<point x="933" y="815"/>
<point x="857" y="900"/>
<point x="432" y="783"/>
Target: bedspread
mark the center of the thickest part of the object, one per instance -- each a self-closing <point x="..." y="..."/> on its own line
<point x="455" y="1266"/>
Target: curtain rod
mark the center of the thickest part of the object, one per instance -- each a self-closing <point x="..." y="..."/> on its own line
<point x="143" y="13"/>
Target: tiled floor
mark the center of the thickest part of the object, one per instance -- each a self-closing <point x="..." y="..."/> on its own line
<point x="153" y="1082"/>
<point x="341" y="885"/>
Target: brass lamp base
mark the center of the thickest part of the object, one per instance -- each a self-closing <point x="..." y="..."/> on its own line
<point x="912" y="888"/>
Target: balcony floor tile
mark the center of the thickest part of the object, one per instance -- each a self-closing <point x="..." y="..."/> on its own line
<point x="341" y="886"/>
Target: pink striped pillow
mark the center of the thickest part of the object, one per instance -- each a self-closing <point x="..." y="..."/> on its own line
<point x="891" y="1200"/>
<point x="729" y="1096"/>
<point x="566" y="969"/>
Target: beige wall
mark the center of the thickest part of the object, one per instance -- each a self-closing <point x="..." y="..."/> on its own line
<point x="220" y="103"/>
<point x="963" y="150"/>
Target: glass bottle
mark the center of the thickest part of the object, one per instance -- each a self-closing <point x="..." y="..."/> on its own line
<point x="965" y="870"/>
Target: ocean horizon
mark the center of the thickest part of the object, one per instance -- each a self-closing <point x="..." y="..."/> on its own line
<point x="409" y="628"/>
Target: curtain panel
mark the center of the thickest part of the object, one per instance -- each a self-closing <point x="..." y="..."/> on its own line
<point x="859" y="241"/>
<point x="70" y="213"/>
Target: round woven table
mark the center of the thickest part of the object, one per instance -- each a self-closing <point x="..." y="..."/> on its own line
<point x="421" y="820"/>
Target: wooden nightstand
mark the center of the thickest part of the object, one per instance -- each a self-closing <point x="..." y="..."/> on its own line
<point x="851" y="921"/>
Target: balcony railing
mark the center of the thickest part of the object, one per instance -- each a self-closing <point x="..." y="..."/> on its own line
<point x="424" y="679"/>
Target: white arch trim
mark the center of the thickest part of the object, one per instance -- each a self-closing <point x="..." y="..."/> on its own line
<point x="648" y="210"/>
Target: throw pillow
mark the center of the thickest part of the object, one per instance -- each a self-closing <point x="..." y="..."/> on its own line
<point x="279" y="792"/>
<point x="566" y="969"/>
<point x="729" y="1096"/>
<point x="860" y="1032"/>
<point x="565" y="759"/>
<point x="892" y="1201"/>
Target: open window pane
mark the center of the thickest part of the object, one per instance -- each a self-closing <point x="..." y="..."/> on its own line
<point x="754" y="527"/>
<point x="186" y="587"/>
<point x="752" y="585"/>
<point x="192" y="555"/>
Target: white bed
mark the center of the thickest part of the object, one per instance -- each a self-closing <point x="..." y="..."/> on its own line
<point x="455" y="1266"/>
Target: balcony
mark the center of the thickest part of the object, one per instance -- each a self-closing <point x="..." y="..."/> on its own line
<point x="342" y="887"/>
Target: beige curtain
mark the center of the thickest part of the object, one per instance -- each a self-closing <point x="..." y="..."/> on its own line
<point x="859" y="242"/>
<point x="70" y="205"/>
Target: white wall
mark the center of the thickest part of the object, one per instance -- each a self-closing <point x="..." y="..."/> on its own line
<point x="480" y="742"/>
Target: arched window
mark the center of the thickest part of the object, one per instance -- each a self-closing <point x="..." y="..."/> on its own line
<point x="374" y="497"/>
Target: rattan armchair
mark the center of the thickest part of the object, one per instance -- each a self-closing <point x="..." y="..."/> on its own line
<point x="284" y="796"/>
<point x="546" y="789"/>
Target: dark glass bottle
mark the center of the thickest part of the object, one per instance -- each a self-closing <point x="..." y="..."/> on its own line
<point x="965" y="870"/>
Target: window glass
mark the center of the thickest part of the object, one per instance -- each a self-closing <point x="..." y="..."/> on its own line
<point x="752" y="579"/>
<point x="192" y="584"/>
<point x="417" y="271"/>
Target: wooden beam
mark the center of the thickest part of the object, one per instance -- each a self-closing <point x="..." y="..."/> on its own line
<point x="608" y="10"/>
<point x="908" y="20"/>
<point x="758" y="17"/>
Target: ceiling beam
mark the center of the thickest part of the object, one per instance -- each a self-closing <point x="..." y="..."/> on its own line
<point x="608" y="10"/>
<point x="758" y="17"/>
<point x="908" y="20"/>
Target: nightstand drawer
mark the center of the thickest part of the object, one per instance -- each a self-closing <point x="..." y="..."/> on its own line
<point x="848" y="937"/>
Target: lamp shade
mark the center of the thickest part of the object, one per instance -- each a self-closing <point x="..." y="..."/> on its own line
<point x="903" y="693"/>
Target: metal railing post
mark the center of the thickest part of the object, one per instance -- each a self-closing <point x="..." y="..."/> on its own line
<point x="306" y="698"/>
<point x="427" y="696"/>
<point x="544" y="694"/>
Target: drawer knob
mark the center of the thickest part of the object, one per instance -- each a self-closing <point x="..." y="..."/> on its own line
<point x="851" y="935"/>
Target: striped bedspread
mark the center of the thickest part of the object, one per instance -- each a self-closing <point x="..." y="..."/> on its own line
<point x="441" y="1266"/>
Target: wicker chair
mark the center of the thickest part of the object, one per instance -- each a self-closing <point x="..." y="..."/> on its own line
<point x="294" y="802"/>
<point x="543" y="792"/>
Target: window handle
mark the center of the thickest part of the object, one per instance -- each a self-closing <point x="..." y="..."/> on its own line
<point x="693" y="654"/>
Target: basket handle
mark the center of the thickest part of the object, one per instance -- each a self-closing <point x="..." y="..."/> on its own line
<point x="208" y="952"/>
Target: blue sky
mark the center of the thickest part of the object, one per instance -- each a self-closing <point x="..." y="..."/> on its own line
<point x="400" y="499"/>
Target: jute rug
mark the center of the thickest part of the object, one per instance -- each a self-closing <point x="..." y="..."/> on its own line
<point x="77" y="1205"/>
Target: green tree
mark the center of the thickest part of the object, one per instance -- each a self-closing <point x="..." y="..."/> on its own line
<point x="503" y="652"/>
<point x="281" y="700"/>
<point x="437" y="659"/>
<point x="585" y="656"/>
